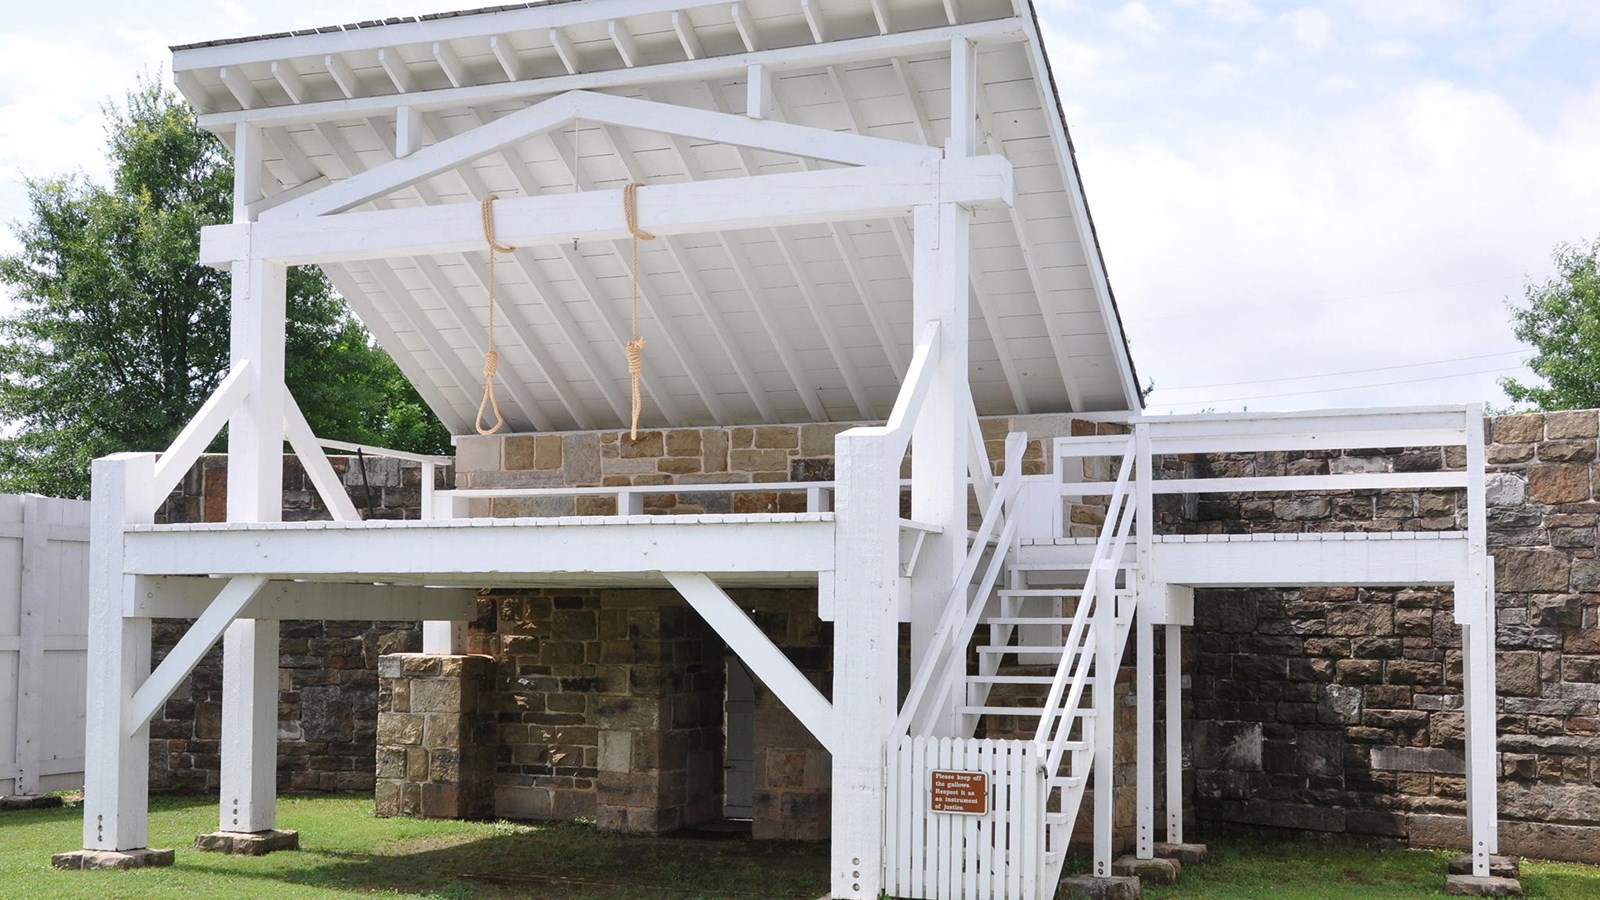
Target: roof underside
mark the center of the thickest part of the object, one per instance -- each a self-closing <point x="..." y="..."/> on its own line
<point x="802" y="323"/>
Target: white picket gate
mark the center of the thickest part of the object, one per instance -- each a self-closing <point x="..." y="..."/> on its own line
<point x="44" y="617"/>
<point x="954" y="856"/>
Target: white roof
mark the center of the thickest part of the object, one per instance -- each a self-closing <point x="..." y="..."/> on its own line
<point x="793" y="324"/>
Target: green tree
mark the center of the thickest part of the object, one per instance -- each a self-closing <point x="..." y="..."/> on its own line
<point x="118" y="334"/>
<point x="1561" y="321"/>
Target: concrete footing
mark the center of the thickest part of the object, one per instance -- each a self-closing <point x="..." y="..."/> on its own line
<point x="30" y="801"/>
<point x="112" y="859"/>
<point x="1486" y="886"/>
<point x="1499" y="866"/>
<point x="1088" y="887"/>
<point x="1158" y="870"/>
<point x="1186" y="854"/>
<point x="248" y="843"/>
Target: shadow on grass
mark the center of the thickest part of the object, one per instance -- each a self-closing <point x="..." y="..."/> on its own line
<point x="555" y="861"/>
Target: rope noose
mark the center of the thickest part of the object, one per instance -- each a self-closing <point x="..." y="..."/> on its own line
<point x="491" y="355"/>
<point x="630" y="211"/>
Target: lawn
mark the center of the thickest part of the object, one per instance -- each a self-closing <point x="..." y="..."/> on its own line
<point x="346" y="852"/>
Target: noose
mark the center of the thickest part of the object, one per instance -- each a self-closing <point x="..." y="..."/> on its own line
<point x="491" y="355"/>
<point x="630" y="211"/>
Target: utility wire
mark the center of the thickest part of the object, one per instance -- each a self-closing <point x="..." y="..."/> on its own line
<point x="1190" y="387"/>
<point x="1352" y="387"/>
<point x="1234" y="310"/>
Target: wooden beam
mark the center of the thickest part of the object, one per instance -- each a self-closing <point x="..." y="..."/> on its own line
<point x="506" y="55"/>
<point x="205" y="425"/>
<point x="492" y="136"/>
<point x="746" y="26"/>
<point x="344" y="77"/>
<point x="439" y="552"/>
<point x="565" y="50"/>
<point x="315" y="462"/>
<point x="815" y="21"/>
<point x="757" y="651"/>
<point x="188" y="597"/>
<point x="186" y="654"/>
<point x="687" y="38"/>
<point x="288" y="78"/>
<point x="449" y="63"/>
<point x="396" y="68"/>
<point x="794" y="198"/>
<point x="805" y="56"/>
<point x="622" y="39"/>
<point x="1008" y="363"/>
<point x="238" y="84"/>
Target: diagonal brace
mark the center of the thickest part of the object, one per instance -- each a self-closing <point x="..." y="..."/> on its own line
<point x="200" y="638"/>
<point x="758" y="652"/>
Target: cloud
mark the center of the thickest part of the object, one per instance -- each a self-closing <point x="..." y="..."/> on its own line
<point x="1385" y="235"/>
<point x="1310" y="28"/>
<point x="1138" y="22"/>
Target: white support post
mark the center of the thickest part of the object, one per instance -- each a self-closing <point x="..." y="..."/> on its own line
<point x="939" y="438"/>
<point x="1474" y="611"/>
<point x="1174" y="712"/>
<point x="35" y="602"/>
<point x="963" y="99"/>
<point x="444" y="638"/>
<point x="758" y="102"/>
<point x="1147" y="600"/>
<point x="247" y="170"/>
<point x="1145" y="752"/>
<point x="255" y="494"/>
<point x="1105" y="683"/>
<point x="116" y="782"/>
<point x="865" y="657"/>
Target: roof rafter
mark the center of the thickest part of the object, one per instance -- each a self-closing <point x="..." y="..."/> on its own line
<point x="1008" y="365"/>
<point x="874" y="47"/>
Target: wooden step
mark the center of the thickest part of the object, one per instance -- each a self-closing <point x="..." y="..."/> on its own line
<point x="1016" y="679"/>
<point x="1029" y="620"/>
<point x="1041" y="592"/>
<point x="1012" y="711"/>
<point x="1042" y="650"/>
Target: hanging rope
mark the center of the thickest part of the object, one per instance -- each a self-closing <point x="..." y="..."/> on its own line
<point x="491" y="355"/>
<point x="630" y="211"/>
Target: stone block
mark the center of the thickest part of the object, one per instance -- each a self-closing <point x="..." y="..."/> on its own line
<point x="1473" y="886"/>
<point x="1503" y="489"/>
<point x="1523" y="429"/>
<point x="32" y="801"/>
<point x="143" y="858"/>
<point x="1526" y="570"/>
<point x="1558" y="484"/>
<point x="248" y="843"/>
<point x="1499" y="866"/>
<point x="1188" y="854"/>
<point x="1159" y="870"/>
<point x="1087" y="887"/>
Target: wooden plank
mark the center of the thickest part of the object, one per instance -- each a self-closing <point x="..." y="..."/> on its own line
<point x="791" y="198"/>
<point x="187" y="597"/>
<point x="757" y="651"/>
<point x="194" y="644"/>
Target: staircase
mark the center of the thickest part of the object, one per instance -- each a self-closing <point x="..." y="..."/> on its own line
<point x="1026" y="655"/>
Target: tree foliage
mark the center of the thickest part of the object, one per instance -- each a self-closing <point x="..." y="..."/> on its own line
<point x="1561" y="321"/>
<point x="118" y="334"/>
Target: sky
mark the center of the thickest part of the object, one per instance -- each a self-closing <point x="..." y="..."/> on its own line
<point x="1300" y="205"/>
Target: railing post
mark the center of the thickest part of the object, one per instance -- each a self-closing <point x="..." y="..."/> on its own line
<point x="1145" y="600"/>
<point x="116" y="779"/>
<point x="428" y="474"/>
<point x="865" y="657"/>
<point x="1105" y="681"/>
<point x="1173" y="650"/>
<point x="1474" y="612"/>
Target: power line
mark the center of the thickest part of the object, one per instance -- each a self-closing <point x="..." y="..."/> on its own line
<point x="1189" y="387"/>
<point x="1352" y="387"/>
<point x="1225" y="310"/>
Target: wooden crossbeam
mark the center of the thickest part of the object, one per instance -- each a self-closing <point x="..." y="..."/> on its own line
<point x="764" y="201"/>
<point x="194" y="644"/>
<point x="188" y="597"/>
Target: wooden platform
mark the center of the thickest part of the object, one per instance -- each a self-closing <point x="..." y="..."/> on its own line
<point x="776" y="549"/>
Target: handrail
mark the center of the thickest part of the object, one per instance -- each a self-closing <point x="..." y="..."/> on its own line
<point x="385" y="451"/>
<point x="1056" y="720"/>
<point x="919" y="377"/>
<point x="961" y="613"/>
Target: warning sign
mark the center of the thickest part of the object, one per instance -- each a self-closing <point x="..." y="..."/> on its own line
<point x="966" y="793"/>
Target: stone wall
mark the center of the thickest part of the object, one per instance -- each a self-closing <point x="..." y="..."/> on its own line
<point x="328" y="702"/>
<point x="435" y="737"/>
<point x="1338" y="711"/>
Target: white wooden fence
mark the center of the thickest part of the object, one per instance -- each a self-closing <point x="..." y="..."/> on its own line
<point x="954" y="856"/>
<point x="44" y="615"/>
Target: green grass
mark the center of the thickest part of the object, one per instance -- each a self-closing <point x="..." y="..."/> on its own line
<point x="1296" y="870"/>
<point x="347" y="852"/>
